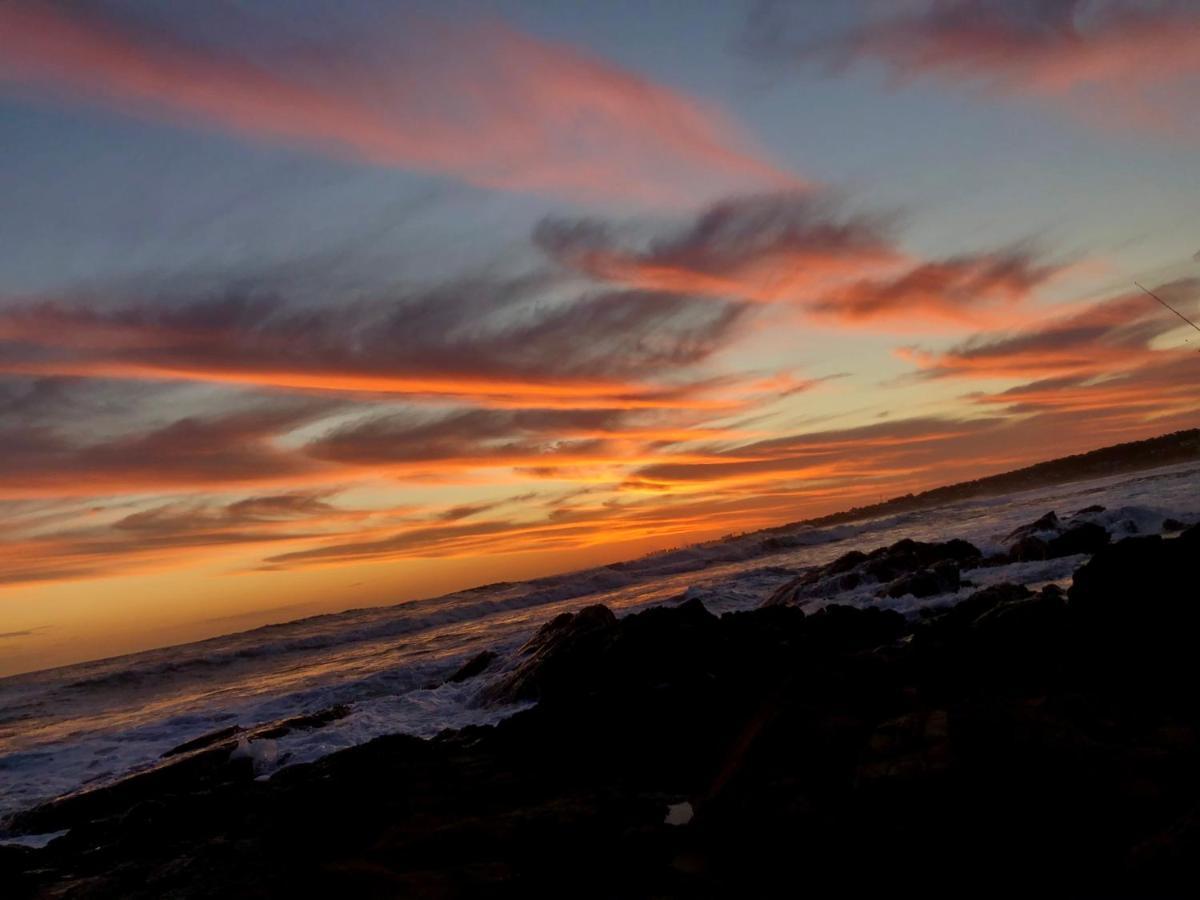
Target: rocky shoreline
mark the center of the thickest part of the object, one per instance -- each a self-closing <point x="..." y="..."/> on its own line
<point x="1042" y="741"/>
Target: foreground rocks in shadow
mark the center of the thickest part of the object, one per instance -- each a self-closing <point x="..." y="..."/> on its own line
<point x="1034" y="743"/>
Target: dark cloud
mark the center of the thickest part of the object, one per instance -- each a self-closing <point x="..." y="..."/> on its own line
<point x="952" y="286"/>
<point x="525" y="336"/>
<point x="1129" y="62"/>
<point x="166" y="530"/>
<point x="876" y="451"/>
<point x="805" y="248"/>
<point x="1100" y="339"/>
<point x="753" y="247"/>
<point x="185" y="452"/>
<point x="478" y="435"/>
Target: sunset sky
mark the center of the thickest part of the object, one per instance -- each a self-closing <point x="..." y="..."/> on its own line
<point x="317" y="305"/>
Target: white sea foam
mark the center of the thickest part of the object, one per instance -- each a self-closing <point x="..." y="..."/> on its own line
<point x="86" y="724"/>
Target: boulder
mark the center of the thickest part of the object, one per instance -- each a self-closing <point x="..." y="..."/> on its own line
<point x="965" y="612"/>
<point x="1139" y="577"/>
<point x="1086" y="537"/>
<point x="906" y="750"/>
<point x="1137" y="613"/>
<point x="549" y="654"/>
<point x="1048" y="522"/>
<point x="908" y="566"/>
<point x="472" y="667"/>
<point x="205" y="740"/>
<point x="792" y="592"/>
<point x="1028" y="549"/>
<point x="940" y="579"/>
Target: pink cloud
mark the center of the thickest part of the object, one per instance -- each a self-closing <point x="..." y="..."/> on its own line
<point x="487" y="104"/>
<point x="1115" y="63"/>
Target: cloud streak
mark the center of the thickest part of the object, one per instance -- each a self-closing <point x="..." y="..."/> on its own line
<point x="807" y="250"/>
<point x="503" y="343"/>
<point x="486" y="103"/>
<point x="1118" y="63"/>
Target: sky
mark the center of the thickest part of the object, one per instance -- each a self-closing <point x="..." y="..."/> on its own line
<point x="323" y="305"/>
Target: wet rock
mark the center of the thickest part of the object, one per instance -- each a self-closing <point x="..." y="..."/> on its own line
<point x="472" y="667"/>
<point x="1086" y="537"/>
<point x="965" y="612"/>
<point x="551" y="652"/>
<point x="1048" y="522"/>
<point x="306" y="722"/>
<point x="1089" y="510"/>
<point x="205" y="740"/>
<point x="1028" y="549"/>
<point x="793" y="591"/>
<point x="1024" y="620"/>
<point x="902" y="557"/>
<point x="845" y="562"/>
<point x="941" y="579"/>
<point x="1172" y="525"/>
<point x="179" y="774"/>
<point x="908" y="566"/>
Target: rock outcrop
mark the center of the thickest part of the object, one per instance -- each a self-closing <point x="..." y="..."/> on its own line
<point x="1015" y="742"/>
<point x="905" y="567"/>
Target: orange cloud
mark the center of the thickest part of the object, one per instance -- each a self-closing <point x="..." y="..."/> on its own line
<point x="501" y="345"/>
<point x="1104" y="361"/>
<point x="1099" y="339"/>
<point x="486" y="104"/>
<point x="963" y="290"/>
<point x="800" y="248"/>
<point x="760" y="248"/>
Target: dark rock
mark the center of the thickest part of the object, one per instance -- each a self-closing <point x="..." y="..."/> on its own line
<point x="1040" y="742"/>
<point x="1140" y="580"/>
<point x="1028" y="549"/>
<point x="1190" y="537"/>
<point x="182" y="773"/>
<point x="884" y="565"/>
<point x="553" y="650"/>
<point x="213" y="737"/>
<point x="845" y="627"/>
<point x="1173" y="525"/>
<point x="793" y="591"/>
<point x="906" y="556"/>
<point x="1086" y="537"/>
<point x="1025" y="619"/>
<point x="941" y="579"/>
<point x="1048" y="522"/>
<point x="1053" y="591"/>
<point x="472" y="667"/>
<point x="1088" y="510"/>
<point x="845" y="562"/>
<point x="905" y="751"/>
<point x="966" y="611"/>
<point x="306" y="722"/>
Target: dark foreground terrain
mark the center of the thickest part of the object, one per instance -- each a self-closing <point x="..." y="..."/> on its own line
<point x="1043" y="744"/>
